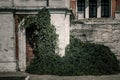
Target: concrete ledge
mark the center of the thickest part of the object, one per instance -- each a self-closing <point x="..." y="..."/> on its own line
<point x="10" y="66"/>
<point x="33" y="10"/>
<point x="88" y="77"/>
<point x="117" y="15"/>
<point x="13" y="76"/>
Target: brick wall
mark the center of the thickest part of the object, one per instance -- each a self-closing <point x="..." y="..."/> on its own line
<point x="118" y="5"/>
<point x="73" y="5"/>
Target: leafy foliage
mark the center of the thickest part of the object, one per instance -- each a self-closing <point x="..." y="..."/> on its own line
<point x="45" y="64"/>
<point x="42" y="35"/>
<point x="80" y="58"/>
<point x="89" y="58"/>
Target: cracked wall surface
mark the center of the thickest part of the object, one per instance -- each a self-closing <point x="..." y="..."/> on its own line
<point x="7" y="43"/>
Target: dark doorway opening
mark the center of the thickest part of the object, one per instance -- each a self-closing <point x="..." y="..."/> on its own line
<point x="29" y="46"/>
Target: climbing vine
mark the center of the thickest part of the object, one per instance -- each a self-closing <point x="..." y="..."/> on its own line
<point x="42" y="35"/>
<point x="80" y="58"/>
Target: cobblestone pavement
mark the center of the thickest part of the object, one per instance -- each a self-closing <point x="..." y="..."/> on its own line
<point x="53" y="77"/>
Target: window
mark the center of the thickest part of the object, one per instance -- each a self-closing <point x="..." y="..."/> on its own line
<point x="92" y="8"/>
<point x="105" y="8"/>
<point x="81" y="5"/>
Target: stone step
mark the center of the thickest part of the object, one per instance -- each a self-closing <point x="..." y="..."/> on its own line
<point x="13" y="76"/>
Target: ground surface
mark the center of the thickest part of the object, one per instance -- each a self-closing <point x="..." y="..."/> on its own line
<point x="54" y="77"/>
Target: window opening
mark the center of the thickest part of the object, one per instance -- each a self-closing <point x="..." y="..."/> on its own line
<point x="105" y="8"/>
<point x="92" y="8"/>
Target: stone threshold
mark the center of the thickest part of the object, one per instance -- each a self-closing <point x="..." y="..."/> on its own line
<point x="14" y="76"/>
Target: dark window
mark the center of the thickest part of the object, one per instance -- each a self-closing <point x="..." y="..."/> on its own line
<point x="81" y="5"/>
<point x="93" y="8"/>
<point x="105" y="8"/>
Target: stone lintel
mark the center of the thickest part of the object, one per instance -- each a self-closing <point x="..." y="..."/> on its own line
<point x="33" y="10"/>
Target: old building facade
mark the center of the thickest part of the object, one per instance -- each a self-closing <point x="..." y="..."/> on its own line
<point x="98" y="20"/>
<point x="95" y="8"/>
<point x="14" y="49"/>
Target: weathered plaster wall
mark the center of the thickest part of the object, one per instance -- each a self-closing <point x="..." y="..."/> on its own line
<point x="61" y="22"/>
<point x="59" y="18"/>
<point x="57" y="3"/>
<point x="6" y="3"/>
<point x="7" y="42"/>
<point x="101" y="33"/>
<point x="117" y="15"/>
<point x="118" y="5"/>
<point x="35" y="3"/>
<point x="43" y="3"/>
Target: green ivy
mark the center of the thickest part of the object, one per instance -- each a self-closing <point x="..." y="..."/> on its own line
<point x="44" y="39"/>
<point x="80" y="58"/>
<point x="90" y="58"/>
<point x="43" y="33"/>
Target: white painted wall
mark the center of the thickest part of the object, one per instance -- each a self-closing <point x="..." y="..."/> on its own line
<point x="24" y="3"/>
<point x="7" y="43"/>
<point x="22" y="49"/>
<point x="6" y="3"/>
<point x="61" y="22"/>
<point x="35" y="3"/>
<point x="80" y="15"/>
<point x="117" y="15"/>
<point x="57" y="3"/>
<point x="67" y="3"/>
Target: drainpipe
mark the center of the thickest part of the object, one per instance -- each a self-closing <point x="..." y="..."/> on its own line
<point x="47" y="3"/>
<point x="116" y="6"/>
<point x="12" y="3"/>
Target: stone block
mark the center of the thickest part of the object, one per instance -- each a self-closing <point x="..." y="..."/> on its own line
<point x="117" y="15"/>
<point x="80" y="15"/>
<point x="30" y="3"/>
<point x="7" y="42"/>
<point x="57" y="3"/>
<point x="8" y="66"/>
<point x="6" y="3"/>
